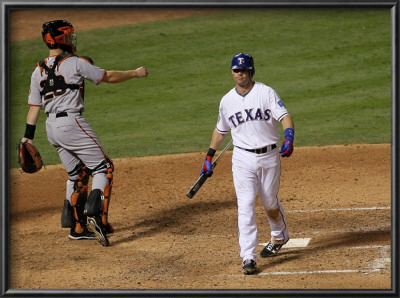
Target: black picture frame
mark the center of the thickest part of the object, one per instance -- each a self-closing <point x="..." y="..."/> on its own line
<point x="7" y="6"/>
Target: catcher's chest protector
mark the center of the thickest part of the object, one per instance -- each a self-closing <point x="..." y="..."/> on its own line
<point x="55" y="85"/>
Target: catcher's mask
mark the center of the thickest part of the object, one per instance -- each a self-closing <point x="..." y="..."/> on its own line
<point x="59" y="34"/>
<point x="243" y="61"/>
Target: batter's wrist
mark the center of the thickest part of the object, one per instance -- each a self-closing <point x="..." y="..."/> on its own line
<point x="289" y="132"/>
<point x="211" y="152"/>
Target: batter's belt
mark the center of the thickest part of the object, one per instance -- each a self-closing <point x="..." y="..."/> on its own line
<point x="260" y="150"/>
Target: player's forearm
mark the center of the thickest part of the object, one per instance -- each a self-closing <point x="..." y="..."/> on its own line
<point x="287" y="122"/>
<point x="118" y="76"/>
<point x="31" y="120"/>
<point x="115" y="76"/>
<point x="216" y="140"/>
<point x="33" y="115"/>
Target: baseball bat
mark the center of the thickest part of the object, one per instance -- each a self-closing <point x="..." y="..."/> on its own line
<point x="197" y="185"/>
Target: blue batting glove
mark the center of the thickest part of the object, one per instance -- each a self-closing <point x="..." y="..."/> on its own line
<point x="287" y="144"/>
<point x="207" y="166"/>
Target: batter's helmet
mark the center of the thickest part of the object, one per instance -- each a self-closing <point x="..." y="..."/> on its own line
<point x="243" y="61"/>
<point x="59" y="34"/>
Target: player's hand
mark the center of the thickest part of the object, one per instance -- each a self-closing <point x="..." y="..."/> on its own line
<point x="141" y="72"/>
<point x="287" y="144"/>
<point x="27" y="140"/>
<point x="207" y="167"/>
<point x="286" y="148"/>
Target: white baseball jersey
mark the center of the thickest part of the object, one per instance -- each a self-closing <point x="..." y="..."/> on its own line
<point x="252" y="118"/>
<point x="74" y="69"/>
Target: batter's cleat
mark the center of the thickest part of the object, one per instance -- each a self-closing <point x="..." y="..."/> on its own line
<point x="249" y="266"/>
<point x="270" y="250"/>
<point x="85" y="235"/>
<point x="97" y="226"/>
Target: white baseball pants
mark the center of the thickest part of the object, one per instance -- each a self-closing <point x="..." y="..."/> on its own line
<point x="257" y="173"/>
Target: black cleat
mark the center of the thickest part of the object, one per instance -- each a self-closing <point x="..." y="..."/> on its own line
<point x="85" y="235"/>
<point x="270" y="250"/>
<point x="249" y="266"/>
<point x="97" y="227"/>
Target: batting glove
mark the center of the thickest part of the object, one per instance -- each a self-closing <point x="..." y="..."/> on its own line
<point x="287" y="145"/>
<point x="207" y="167"/>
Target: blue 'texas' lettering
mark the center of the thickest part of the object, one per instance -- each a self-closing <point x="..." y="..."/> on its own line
<point x="259" y="115"/>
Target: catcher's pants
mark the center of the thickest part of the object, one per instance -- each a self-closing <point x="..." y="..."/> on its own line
<point x="252" y="174"/>
<point x="76" y="141"/>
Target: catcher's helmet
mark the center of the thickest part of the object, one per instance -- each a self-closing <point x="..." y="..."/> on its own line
<point x="59" y="34"/>
<point x="243" y="61"/>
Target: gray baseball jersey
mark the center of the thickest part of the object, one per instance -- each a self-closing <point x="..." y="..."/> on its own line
<point x="74" y="69"/>
<point x="69" y="132"/>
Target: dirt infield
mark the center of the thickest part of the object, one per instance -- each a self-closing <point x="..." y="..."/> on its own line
<point x="337" y="196"/>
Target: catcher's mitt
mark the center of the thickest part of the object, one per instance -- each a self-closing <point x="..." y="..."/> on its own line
<point x="29" y="158"/>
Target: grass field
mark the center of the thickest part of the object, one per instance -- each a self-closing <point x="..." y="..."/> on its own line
<point x="332" y="68"/>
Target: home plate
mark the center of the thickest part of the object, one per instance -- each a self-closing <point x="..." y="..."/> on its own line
<point x="293" y="243"/>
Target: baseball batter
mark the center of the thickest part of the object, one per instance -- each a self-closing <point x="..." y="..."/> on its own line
<point x="252" y="111"/>
<point x="57" y="86"/>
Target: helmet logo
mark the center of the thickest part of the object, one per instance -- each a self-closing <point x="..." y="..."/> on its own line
<point x="51" y="82"/>
<point x="241" y="60"/>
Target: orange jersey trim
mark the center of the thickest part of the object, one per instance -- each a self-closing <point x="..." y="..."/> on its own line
<point x="102" y="78"/>
<point x="80" y="57"/>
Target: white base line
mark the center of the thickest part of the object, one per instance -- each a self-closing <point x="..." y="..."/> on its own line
<point x="319" y="272"/>
<point x="386" y="260"/>
<point x="338" y="209"/>
<point x="370" y="247"/>
<point x="300" y="273"/>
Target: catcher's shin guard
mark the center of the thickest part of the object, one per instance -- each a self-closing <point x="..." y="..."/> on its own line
<point x="67" y="217"/>
<point x="94" y="203"/>
<point x="107" y="195"/>
<point x="79" y="198"/>
<point x="98" y="202"/>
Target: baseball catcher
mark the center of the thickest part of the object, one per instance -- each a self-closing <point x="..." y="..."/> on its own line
<point x="57" y="86"/>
